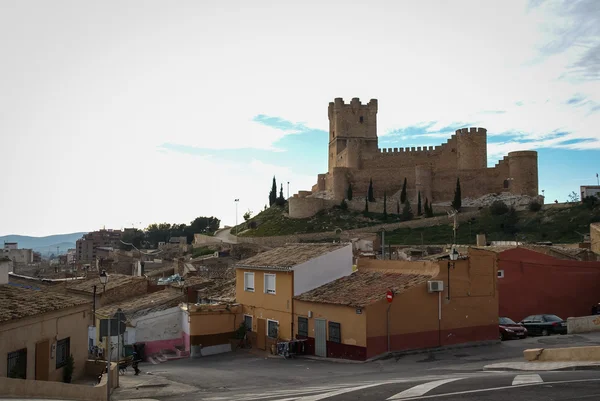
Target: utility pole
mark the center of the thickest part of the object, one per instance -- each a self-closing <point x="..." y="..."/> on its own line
<point x="108" y="352"/>
<point x="236" y="215"/>
<point x="288" y="189"/>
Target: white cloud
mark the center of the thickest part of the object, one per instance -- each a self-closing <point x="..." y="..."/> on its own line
<point x="90" y="90"/>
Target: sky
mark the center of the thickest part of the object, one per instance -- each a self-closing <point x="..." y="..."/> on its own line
<point x="125" y="113"/>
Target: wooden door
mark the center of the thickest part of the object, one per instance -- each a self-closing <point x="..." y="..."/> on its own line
<point x="42" y="360"/>
<point x="261" y="334"/>
<point x="321" y="337"/>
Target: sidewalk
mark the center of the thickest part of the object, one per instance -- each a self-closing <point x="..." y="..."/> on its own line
<point x="147" y="386"/>
<point x="541" y="366"/>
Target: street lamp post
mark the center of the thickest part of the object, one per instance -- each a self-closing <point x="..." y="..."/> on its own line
<point x="236" y="215"/>
<point x="103" y="280"/>
<point x="453" y="258"/>
<point x="288" y="190"/>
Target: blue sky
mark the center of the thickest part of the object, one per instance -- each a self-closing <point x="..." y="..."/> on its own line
<point x="117" y="114"/>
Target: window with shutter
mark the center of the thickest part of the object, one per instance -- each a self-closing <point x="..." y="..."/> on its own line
<point x="269" y="284"/>
<point x="249" y="282"/>
<point x="302" y="326"/>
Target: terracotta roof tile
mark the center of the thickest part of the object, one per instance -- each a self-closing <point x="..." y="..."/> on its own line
<point x="16" y="303"/>
<point x="139" y="306"/>
<point x="114" y="281"/>
<point x="363" y="287"/>
<point x="289" y="255"/>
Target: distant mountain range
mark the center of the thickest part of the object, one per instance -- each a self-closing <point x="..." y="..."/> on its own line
<point x="45" y="245"/>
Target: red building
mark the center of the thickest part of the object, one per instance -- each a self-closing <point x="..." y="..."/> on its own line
<point x="532" y="283"/>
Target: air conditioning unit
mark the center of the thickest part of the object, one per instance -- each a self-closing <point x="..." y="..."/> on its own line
<point x="435" y="286"/>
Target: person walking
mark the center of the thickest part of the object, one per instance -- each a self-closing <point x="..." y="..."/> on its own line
<point x="136" y="360"/>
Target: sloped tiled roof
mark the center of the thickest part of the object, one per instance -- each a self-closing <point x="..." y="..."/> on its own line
<point x="288" y="256"/>
<point x="16" y="303"/>
<point x="363" y="287"/>
<point x="139" y="306"/>
<point x="114" y="281"/>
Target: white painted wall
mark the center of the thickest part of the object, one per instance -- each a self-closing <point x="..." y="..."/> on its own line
<point x="185" y="322"/>
<point x="5" y="268"/>
<point x="322" y="270"/>
<point x="162" y="325"/>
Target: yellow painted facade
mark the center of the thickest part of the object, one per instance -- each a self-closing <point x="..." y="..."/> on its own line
<point x="25" y="333"/>
<point x="262" y="305"/>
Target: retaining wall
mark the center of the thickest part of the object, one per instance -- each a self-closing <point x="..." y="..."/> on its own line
<point x="583" y="324"/>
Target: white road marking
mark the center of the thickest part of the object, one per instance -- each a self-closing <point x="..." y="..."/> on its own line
<point x="319" y="397"/>
<point x="526" y="379"/>
<point x="483" y="390"/>
<point x="422" y="389"/>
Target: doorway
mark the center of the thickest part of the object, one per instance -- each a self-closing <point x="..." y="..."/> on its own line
<point x="320" y="337"/>
<point x="261" y="333"/>
<point x="42" y="360"/>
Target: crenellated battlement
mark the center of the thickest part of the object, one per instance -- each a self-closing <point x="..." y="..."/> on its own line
<point x="338" y="104"/>
<point x="471" y="130"/>
<point x="418" y="149"/>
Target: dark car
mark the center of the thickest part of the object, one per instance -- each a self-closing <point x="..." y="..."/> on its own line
<point x="544" y="325"/>
<point x="509" y="329"/>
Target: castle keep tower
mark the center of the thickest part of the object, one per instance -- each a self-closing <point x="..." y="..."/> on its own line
<point x="430" y="171"/>
<point x="352" y="132"/>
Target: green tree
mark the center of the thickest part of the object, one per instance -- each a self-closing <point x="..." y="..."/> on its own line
<point x="69" y="369"/>
<point x="132" y="236"/>
<point x="457" y="202"/>
<point x="247" y="215"/>
<point x="398" y="208"/>
<point x="428" y="210"/>
<point x="366" y="205"/>
<point x="370" y="196"/>
<point x="403" y="193"/>
<point x="273" y="193"/>
<point x="385" y="205"/>
<point x="407" y="213"/>
<point x="419" y="211"/>
<point x="344" y="205"/>
<point x="280" y="201"/>
<point x="349" y="192"/>
<point x="203" y="225"/>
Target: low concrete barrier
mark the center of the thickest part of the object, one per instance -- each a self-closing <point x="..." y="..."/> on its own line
<point x="572" y="354"/>
<point x="583" y="324"/>
<point x="19" y="388"/>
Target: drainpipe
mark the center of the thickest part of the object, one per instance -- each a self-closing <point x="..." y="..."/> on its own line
<point x="292" y="307"/>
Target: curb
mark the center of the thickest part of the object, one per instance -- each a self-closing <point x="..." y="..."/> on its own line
<point x="390" y="355"/>
<point x="567" y="368"/>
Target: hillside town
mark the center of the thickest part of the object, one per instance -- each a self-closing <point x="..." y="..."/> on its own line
<point x="99" y="315"/>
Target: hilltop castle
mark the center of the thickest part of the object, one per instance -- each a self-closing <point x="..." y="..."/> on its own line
<point x="355" y="158"/>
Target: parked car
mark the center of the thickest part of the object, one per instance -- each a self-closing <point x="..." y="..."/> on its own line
<point x="509" y="329"/>
<point x="544" y="325"/>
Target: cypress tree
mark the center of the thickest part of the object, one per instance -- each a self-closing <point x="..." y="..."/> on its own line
<point x="407" y="213"/>
<point x="370" y="196"/>
<point x="273" y="193"/>
<point x="366" y="205"/>
<point x="457" y="202"/>
<point x="403" y="193"/>
<point x="426" y="207"/>
<point x="398" y="208"/>
<point x="384" y="205"/>
<point x="280" y="201"/>
<point x="419" y="211"/>
<point x="349" y="192"/>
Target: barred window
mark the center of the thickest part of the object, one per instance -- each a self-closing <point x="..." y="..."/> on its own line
<point x="272" y="328"/>
<point x="303" y="326"/>
<point x="248" y="322"/>
<point x="335" y="332"/>
<point x="63" y="350"/>
<point x="17" y="364"/>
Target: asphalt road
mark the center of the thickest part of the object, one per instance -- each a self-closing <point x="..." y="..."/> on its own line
<point x="245" y="376"/>
<point x="545" y="386"/>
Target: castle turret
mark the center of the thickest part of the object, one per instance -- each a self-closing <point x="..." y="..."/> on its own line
<point x="352" y="132"/>
<point x="471" y="147"/>
<point x="423" y="183"/>
<point x="523" y="170"/>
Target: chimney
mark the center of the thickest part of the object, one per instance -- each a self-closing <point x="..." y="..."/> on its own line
<point x="5" y="268"/>
<point x="481" y="240"/>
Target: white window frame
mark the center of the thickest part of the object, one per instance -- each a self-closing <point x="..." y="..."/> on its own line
<point x="276" y="321"/>
<point x="251" y="321"/>
<point x="267" y="291"/>
<point x="246" y="288"/>
<point x="500" y="273"/>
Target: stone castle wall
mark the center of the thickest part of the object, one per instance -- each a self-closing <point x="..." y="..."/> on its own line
<point x="355" y="159"/>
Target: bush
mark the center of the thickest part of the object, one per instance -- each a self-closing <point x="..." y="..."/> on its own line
<point x="590" y="201"/>
<point x="344" y="205"/>
<point x="535" y="206"/>
<point x="498" y="208"/>
<point x="68" y="369"/>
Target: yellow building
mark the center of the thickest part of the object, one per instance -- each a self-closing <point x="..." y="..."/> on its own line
<point x="39" y="330"/>
<point x="266" y="284"/>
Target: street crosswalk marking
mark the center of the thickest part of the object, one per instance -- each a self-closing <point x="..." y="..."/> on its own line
<point x="527" y="379"/>
<point x="422" y="389"/>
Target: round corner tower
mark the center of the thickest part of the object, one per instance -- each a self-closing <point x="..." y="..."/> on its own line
<point x="471" y="148"/>
<point x="523" y="170"/>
